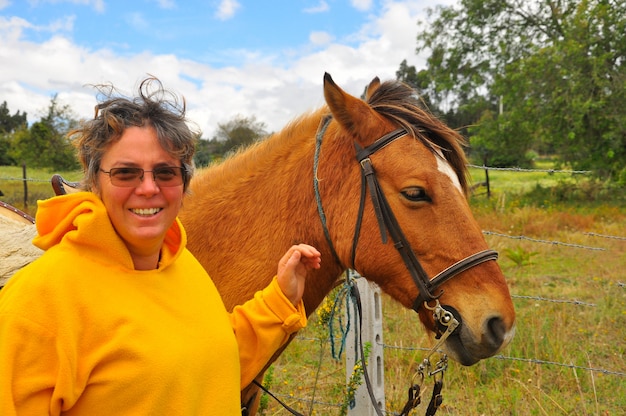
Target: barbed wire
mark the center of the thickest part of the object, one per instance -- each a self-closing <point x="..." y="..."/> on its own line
<point x="573" y="301"/>
<point x="10" y="178"/>
<point x="516" y="169"/>
<point x="536" y="240"/>
<point x="544" y="362"/>
<point x="615" y="237"/>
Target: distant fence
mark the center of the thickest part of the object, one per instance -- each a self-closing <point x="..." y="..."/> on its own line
<point x="487" y="182"/>
<point x="25" y="181"/>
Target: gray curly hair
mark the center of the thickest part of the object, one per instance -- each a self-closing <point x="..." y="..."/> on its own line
<point x="154" y="106"/>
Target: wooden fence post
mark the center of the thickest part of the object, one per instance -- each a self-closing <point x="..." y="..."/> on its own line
<point x="487" y="178"/>
<point x="25" y="186"/>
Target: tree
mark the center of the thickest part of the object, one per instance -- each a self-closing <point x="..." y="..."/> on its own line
<point x="208" y="151"/>
<point x="420" y="81"/>
<point x="240" y="131"/>
<point x="8" y="125"/>
<point x="45" y="143"/>
<point x="556" y="68"/>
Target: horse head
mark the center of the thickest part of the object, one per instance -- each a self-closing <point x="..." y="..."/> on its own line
<point x="413" y="234"/>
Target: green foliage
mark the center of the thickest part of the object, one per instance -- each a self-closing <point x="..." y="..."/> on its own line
<point x="44" y="144"/>
<point x="8" y="125"/>
<point x="519" y="256"/>
<point x="551" y="79"/>
<point x="356" y="379"/>
<point x="235" y="134"/>
<point x="239" y="132"/>
<point x="268" y="379"/>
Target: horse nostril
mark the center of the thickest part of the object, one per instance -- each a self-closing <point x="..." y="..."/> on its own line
<point x="496" y="330"/>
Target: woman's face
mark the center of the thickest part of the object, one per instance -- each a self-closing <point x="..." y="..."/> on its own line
<point x="141" y="214"/>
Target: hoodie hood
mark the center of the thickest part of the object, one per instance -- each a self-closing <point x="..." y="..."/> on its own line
<point x="80" y="219"/>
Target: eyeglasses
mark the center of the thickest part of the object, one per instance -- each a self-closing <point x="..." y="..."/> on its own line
<point x="129" y="177"/>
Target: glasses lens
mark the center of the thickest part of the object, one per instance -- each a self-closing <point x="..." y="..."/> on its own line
<point x="126" y="176"/>
<point x="129" y="177"/>
<point x="168" y="176"/>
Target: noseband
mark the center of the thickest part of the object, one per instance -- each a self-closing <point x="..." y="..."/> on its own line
<point x="388" y="224"/>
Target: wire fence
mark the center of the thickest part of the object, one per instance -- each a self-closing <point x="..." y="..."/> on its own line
<point x="548" y="364"/>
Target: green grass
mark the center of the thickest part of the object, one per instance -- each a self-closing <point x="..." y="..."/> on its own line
<point x="37" y="182"/>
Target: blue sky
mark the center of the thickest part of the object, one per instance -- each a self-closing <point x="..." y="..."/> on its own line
<point x="227" y="57"/>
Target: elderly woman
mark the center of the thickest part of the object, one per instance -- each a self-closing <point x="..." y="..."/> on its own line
<point x="117" y="317"/>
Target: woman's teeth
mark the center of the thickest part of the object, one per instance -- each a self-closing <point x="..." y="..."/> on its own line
<point x="146" y="211"/>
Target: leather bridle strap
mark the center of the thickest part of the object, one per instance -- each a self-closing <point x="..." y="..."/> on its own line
<point x="457" y="268"/>
<point x="388" y="223"/>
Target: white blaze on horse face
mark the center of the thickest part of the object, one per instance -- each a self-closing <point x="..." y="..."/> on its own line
<point x="444" y="167"/>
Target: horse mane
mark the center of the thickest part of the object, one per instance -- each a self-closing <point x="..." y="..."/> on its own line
<point x="394" y="100"/>
<point x="400" y="103"/>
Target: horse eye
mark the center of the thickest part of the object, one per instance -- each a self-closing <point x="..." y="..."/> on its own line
<point x="416" y="194"/>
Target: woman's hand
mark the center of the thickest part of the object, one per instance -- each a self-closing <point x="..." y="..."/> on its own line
<point x="292" y="270"/>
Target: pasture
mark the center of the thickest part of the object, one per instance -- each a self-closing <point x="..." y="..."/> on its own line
<point x="565" y="270"/>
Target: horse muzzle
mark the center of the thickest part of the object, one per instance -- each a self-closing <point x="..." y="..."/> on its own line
<point x="468" y="347"/>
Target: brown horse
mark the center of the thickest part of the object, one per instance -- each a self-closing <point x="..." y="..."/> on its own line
<point x="305" y="184"/>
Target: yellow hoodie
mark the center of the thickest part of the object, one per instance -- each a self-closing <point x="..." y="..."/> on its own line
<point x="83" y="333"/>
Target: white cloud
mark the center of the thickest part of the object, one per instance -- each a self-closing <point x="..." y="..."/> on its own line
<point x="4" y="4"/>
<point x="274" y="88"/>
<point x="166" y="4"/>
<point x="97" y="5"/>
<point x="320" y="38"/>
<point x="137" y="21"/>
<point x="362" y="5"/>
<point x="320" y="8"/>
<point x="226" y="9"/>
<point x="65" y="24"/>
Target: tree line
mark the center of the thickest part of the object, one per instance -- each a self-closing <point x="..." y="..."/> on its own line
<point x="522" y="78"/>
<point x="517" y="78"/>
<point x="45" y="143"/>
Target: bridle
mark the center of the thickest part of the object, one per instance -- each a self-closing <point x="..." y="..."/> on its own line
<point x="388" y="223"/>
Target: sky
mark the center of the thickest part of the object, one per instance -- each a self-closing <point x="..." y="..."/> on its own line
<point x="252" y="58"/>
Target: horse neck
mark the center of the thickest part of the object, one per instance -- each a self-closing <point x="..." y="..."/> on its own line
<point x="265" y="194"/>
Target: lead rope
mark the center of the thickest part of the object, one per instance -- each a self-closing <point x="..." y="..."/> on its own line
<point x="446" y="319"/>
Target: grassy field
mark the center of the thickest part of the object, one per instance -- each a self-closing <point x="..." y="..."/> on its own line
<point x="37" y="182"/>
<point x="569" y="353"/>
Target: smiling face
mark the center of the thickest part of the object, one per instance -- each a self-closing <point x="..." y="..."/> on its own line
<point x="141" y="215"/>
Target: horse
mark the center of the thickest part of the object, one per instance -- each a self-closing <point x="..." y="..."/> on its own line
<point x="346" y="178"/>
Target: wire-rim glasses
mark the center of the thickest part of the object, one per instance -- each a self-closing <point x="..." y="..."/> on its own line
<point x="130" y="177"/>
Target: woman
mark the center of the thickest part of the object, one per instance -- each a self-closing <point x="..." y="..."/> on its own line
<point x="117" y="317"/>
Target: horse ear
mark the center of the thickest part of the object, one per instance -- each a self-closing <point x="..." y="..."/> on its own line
<point x="353" y="114"/>
<point x="372" y="87"/>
